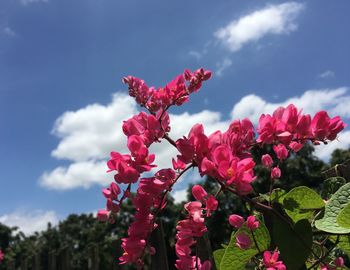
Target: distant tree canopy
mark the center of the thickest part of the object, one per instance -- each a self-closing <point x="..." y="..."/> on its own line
<point x="81" y="234"/>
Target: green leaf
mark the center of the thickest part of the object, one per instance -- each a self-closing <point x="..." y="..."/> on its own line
<point x="300" y="203"/>
<point x="343" y="218"/>
<point x="278" y="195"/>
<point x="294" y="242"/>
<point x="343" y="244"/>
<point x="337" y="202"/>
<point x="218" y="254"/>
<point x="331" y="185"/>
<point x="236" y="258"/>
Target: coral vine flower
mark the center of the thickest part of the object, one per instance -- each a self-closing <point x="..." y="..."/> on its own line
<point x="339" y="262"/>
<point x="280" y="151"/>
<point x="199" y="193"/>
<point x="192" y="227"/>
<point x="236" y="221"/>
<point x="287" y="124"/>
<point x="267" y="161"/>
<point x="252" y="223"/>
<point x="243" y="241"/>
<point x="2" y="256"/>
<point x="275" y="173"/>
<point x="224" y="156"/>
<point x="271" y="261"/>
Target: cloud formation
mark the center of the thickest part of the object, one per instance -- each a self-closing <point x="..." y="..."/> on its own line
<point x="90" y="133"/>
<point x="28" y="2"/>
<point x="222" y="66"/>
<point x="327" y="74"/>
<point x="30" y="221"/>
<point x="271" y="20"/>
<point x="8" y="31"/>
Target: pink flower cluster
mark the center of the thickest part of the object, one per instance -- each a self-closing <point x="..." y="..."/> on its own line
<point x="243" y="241"/>
<point x="2" y="256"/>
<point x="271" y="261"/>
<point x="193" y="227"/>
<point x="148" y="197"/>
<point x="174" y="93"/>
<point x="338" y="263"/>
<point x="292" y="128"/>
<point x="223" y="156"/>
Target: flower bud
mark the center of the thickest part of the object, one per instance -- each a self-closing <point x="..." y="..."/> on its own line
<point x="267" y="161"/>
<point x="275" y="173"/>
<point x="199" y="193"/>
<point x="236" y="221"/>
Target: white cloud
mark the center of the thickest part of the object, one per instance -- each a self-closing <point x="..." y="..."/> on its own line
<point x="78" y="174"/>
<point x="327" y="74"/>
<point x="8" y="31"/>
<point x="93" y="131"/>
<point x="180" y="195"/>
<point x="324" y="151"/>
<point x="89" y="134"/>
<point x="195" y="54"/>
<point x="274" y="19"/>
<point x="28" y="2"/>
<point x="222" y="66"/>
<point x="30" y="221"/>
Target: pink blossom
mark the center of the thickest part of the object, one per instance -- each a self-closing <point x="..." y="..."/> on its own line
<point x="103" y="215"/>
<point x="236" y="220"/>
<point x="320" y="125"/>
<point x="243" y="241"/>
<point x="295" y="146"/>
<point x="252" y="223"/>
<point x="138" y="89"/>
<point x="335" y="126"/>
<point x="280" y="151"/>
<point x="199" y="193"/>
<point x="178" y="164"/>
<point x="267" y="161"/>
<point x="275" y="173"/>
<point x="271" y="261"/>
<point x="147" y="126"/>
<point x="211" y="204"/>
<point x="196" y="78"/>
<point x="339" y="262"/>
<point x="287" y="124"/>
<point x="191" y="228"/>
<point x="2" y="256"/>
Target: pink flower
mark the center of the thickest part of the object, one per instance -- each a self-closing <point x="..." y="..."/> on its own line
<point x="199" y="193"/>
<point x="271" y="261"/>
<point x="102" y="215"/>
<point x="320" y="125"/>
<point x="2" y="256"/>
<point x="211" y="204"/>
<point x="178" y="164"/>
<point x="339" y="262"/>
<point x="295" y="146"/>
<point x="196" y="78"/>
<point x="243" y="241"/>
<point x="280" y="151"/>
<point x="335" y="126"/>
<point x="267" y="161"/>
<point x="275" y="173"/>
<point x="252" y="223"/>
<point x="236" y="220"/>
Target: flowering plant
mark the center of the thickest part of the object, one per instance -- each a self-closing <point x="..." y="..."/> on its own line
<point x="286" y="230"/>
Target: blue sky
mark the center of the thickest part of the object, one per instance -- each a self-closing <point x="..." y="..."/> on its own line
<point x="59" y="57"/>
